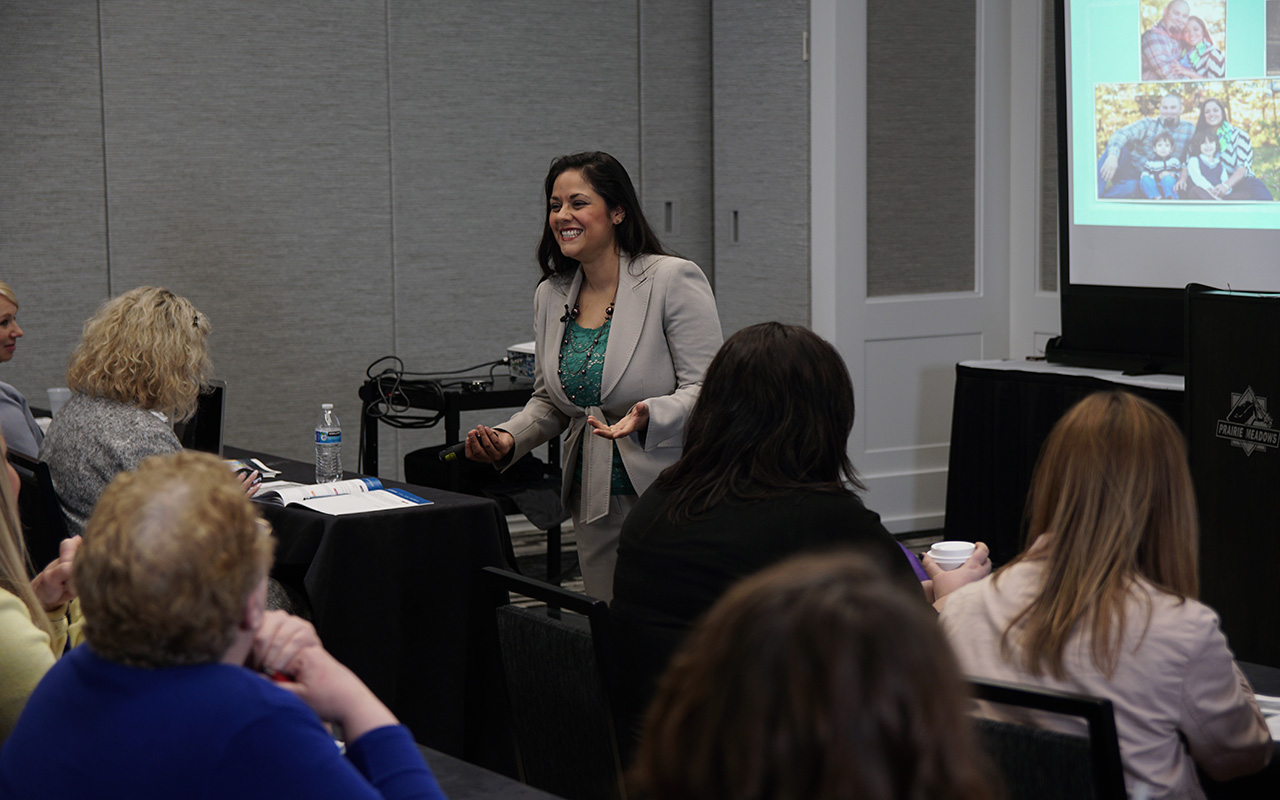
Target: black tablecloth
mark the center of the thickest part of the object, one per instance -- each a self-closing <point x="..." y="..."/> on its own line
<point x="1265" y="680"/>
<point x="999" y="421"/>
<point x="396" y="597"/>
<point x="463" y="781"/>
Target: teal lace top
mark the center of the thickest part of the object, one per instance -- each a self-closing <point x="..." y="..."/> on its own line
<point x="581" y="374"/>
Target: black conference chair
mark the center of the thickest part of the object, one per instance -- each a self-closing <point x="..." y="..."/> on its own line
<point x="43" y="525"/>
<point x="556" y="661"/>
<point x="1044" y="764"/>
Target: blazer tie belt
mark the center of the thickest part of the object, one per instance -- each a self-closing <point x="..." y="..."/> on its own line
<point x="597" y="466"/>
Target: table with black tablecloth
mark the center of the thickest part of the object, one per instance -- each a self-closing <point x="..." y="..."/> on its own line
<point x="1265" y="680"/>
<point x="1003" y="411"/>
<point x="461" y="780"/>
<point x="396" y="597"/>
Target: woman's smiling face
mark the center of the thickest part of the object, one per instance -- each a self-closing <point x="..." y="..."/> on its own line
<point x="581" y="219"/>
<point x="1212" y="113"/>
<point x="1193" y="34"/>
<point x="10" y="332"/>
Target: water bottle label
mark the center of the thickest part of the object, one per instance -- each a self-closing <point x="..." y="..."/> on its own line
<point x="327" y="437"/>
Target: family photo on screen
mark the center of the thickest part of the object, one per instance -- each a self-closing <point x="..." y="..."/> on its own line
<point x="1192" y="129"/>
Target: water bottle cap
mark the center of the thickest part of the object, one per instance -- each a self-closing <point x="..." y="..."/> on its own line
<point x="326" y="405"/>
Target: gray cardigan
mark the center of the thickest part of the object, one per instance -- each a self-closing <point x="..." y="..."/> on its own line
<point x="92" y="439"/>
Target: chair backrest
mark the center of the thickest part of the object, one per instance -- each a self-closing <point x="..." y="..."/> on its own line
<point x="43" y="525"/>
<point x="557" y="664"/>
<point x="1039" y="763"/>
<point x="203" y="431"/>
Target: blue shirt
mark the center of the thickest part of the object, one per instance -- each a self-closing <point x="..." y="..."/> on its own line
<point x="94" y="728"/>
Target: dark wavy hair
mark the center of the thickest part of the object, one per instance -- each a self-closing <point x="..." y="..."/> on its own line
<point x="1203" y="128"/>
<point x="773" y="417"/>
<point x="609" y="180"/>
<point x="816" y="678"/>
<point x="1197" y="139"/>
<point x="1208" y="37"/>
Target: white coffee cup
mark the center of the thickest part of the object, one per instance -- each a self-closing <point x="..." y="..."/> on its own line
<point x="950" y="555"/>
<point x="57" y="398"/>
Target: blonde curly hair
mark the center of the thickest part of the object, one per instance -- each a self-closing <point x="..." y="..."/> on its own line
<point x="148" y="348"/>
<point x="171" y="555"/>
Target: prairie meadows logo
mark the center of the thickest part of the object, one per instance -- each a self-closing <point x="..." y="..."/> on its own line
<point x="1248" y="425"/>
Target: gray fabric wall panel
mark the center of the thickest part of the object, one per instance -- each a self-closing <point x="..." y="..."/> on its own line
<point x="920" y="147"/>
<point x="675" y="125"/>
<point x="332" y="181"/>
<point x="483" y="97"/>
<point x="52" y="213"/>
<point x="1048" y="153"/>
<point x="247" y="155"/>
<point x="761" y="125"/>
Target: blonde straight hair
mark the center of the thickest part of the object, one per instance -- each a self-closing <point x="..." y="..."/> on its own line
<point x="1113" y="488"/>
<point x="13" y="553"/>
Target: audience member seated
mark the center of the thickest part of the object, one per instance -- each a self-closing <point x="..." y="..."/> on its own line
<point x="142" y="355"/>
<point x="159" y="702"/>
<point x="17" y="424"/>
<point x="817" y="678"/>
<point x="1103" y="602"/>
<point x="764" y="474"/>
<point x="36" y="615"/>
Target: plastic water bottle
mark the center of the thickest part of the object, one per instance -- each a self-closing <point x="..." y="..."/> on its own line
<point x="328" y="445"/>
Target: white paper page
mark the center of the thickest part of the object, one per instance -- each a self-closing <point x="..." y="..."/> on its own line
<point x="1271" y="710"/>
<point x="378" y="500"/>
<point x="294" y="492"/>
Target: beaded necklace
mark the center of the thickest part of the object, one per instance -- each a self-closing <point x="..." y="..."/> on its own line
<point x="571" y="318"/>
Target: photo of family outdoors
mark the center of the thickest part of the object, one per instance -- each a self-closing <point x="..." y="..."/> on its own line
<point x="1185" y="133"/>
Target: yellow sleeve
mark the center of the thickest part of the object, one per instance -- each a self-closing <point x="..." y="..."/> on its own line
<point x="24" y="659"/>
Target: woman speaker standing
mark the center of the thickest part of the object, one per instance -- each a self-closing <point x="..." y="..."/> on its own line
<point x="623" y="335"/>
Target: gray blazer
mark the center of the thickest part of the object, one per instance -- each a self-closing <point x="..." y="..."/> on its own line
<point x="665" y="331"/>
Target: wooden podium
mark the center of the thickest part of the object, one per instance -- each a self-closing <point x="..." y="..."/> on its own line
<point x="1233" y="434"/>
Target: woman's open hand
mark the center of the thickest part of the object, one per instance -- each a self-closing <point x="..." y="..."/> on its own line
<point x="636" y="420"/>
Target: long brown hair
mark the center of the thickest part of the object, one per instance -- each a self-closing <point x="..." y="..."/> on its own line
<point x="1113" y="489"/>
<point x="1203" y="128"/>
<point x="773" y="416"/>
<point x="815" y="678"/>
<point x="14" y="561"/>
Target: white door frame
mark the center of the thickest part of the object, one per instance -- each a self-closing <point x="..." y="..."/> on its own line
<point x="901" y="350"/>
